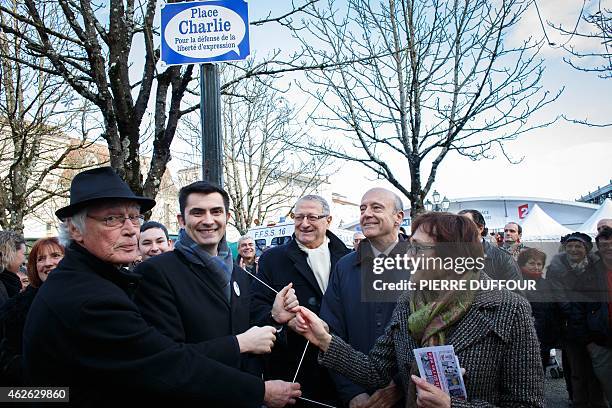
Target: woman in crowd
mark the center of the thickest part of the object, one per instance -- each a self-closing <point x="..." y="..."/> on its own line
<point x="12" y="256"/>
<point x="531" y="261"/>
<point x="44" y="257"/>
<point x="565" y="272"/>
<point x="492" y="331"/>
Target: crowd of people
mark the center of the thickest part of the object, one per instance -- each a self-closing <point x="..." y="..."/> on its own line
<point x="123" y="315"/>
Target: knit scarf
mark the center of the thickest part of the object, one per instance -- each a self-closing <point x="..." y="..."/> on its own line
<point x="319" y="260"/>
<point x="220" y="266"/>
<point x="432" y="314"/>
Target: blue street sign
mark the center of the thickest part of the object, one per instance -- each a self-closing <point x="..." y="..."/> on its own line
<point x="204" y="31"/>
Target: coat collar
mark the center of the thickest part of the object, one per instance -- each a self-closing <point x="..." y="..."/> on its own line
<point x="121" y="277"/>
<point x="337" y="250"/>
<point x="365" y="253"/>
<point x="202" y="274"/>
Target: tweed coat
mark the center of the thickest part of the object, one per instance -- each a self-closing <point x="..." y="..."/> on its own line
<point x="495" y="341"/>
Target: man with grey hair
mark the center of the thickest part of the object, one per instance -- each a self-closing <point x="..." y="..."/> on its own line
<point x="83" y="330"/>
<point x="306" y="262"/>
<point x="247" y="257"/>
<point x="357" y="238"/>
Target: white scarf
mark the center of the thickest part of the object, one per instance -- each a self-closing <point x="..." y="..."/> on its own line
<point x="319" y="260"/>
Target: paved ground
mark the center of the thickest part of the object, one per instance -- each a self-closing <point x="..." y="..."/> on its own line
<point x="555" y="392"/>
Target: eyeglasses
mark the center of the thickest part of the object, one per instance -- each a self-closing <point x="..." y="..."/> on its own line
<point x="415" y="249"/>
<point x="114" y="221"/>
<point x="310" y="217"/>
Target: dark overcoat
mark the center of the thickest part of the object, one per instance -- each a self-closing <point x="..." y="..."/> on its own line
<point x="589" y="321"/>
<point x="278" y="267"/>
<point x="12" y="319"/>
<point x="84" y="331"/>
<point x="356" y="321"/>
<point x="182" y="301"/>
<point x="499" y="264"/>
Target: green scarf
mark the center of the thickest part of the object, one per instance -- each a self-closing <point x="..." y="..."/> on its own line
<point x="432" y="314"/>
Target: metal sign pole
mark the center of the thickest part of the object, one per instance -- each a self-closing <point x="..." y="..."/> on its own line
<point x="210" y="116"/>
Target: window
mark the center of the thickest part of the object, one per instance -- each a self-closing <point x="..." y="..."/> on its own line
<point x="280" y="240"/>
<point x="260" y="245"/>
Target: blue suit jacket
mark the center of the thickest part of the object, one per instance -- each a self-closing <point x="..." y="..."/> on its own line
<point x="356" y="322"/>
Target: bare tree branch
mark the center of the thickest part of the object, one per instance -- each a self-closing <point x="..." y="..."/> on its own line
<point x="265" y="165"/>
<point x="430" y="79"/>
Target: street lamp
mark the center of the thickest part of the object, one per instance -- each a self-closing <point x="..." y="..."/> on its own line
<point x="436" y="197"/>
<point x="437" y="205"/>
<point x="445" y="204"/>
<point x="428" y="205"/>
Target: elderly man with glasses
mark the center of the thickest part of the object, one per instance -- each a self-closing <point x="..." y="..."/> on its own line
<point x="83" y="330"/>
<point x="306" y="261"/>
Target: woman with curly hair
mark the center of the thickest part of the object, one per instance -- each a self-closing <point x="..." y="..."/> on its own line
<point x="546" y="315"/>
<point x="44" y="257"/>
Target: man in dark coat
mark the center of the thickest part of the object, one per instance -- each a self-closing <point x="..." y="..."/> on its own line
<point x="84" y="331"/>
<point x="513" y="233"/>
<point x="591" y="320"/>
<point x="499" y="264"/>
<point x="306" y="261"/>
<point x="567" y="272"/>
<point x="196" y="293"/>
<point x="360" y="321"/>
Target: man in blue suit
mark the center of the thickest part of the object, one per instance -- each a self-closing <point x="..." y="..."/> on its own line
<point x="360" y="323"/>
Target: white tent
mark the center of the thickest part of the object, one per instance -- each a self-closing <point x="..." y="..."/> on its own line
<point x="604" y="211"/>
<point x="539" y="226"/>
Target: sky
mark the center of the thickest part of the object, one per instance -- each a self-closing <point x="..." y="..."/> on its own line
<point x="562" y="161"/>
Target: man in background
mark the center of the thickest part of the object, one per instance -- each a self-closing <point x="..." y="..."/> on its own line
<point x="512" y="239"/>
<point x="154" y="240"/>
<point x="604" y="222"/>
<point x="357" y="238"/>
<point x="247" y="258"/>
<point x="498" y="263"/>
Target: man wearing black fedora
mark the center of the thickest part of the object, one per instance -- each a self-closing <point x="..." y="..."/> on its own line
<point x="84" y="331"/>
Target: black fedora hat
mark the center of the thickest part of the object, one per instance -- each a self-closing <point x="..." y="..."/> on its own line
<point x="98" y="184"/>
